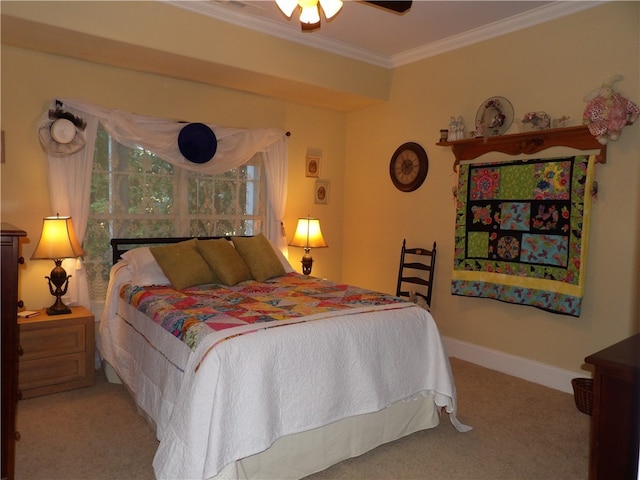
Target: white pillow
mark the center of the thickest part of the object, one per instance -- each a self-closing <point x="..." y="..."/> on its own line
<point x="144" y="268"/>
<point x="285" y="263"/>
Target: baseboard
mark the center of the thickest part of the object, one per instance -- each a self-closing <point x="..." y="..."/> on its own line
<point x="530" y="370"/>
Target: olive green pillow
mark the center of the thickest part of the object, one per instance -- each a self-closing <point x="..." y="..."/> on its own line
<point x="224" y="260"/>
<point x="183" y="265"/>
<point x="260" y="257"/>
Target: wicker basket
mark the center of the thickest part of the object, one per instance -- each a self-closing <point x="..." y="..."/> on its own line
<point x="583" y="394"/>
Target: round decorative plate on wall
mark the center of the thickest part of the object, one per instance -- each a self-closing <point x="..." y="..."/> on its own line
<point x="494" y="116"/>
<point x="409" y="167"/>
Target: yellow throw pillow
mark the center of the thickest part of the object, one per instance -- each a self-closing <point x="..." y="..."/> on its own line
<point x="183" y="265"/>
<point x="223" y="259"/>
<point x="259" y="256"/>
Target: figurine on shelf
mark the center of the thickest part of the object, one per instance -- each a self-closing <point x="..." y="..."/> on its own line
<point x="536" y="121"/>
<point x="607" y="112"/>
<point x="561" y="122"/>
<point x="453" y="133"/>
<point x="456" y="129"/>
<point x="460" y="125"/>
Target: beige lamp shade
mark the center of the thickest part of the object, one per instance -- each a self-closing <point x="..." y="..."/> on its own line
<point x="308" y="234"/>
<point x="58" y="240"/>
<point x="330" y="7"/>
<point x="310" y="14"/>
<point x="287" y="6"/>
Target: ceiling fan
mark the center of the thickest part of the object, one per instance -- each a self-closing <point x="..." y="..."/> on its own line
<point x="310" y="13"/>
<point x="398" y="6"/>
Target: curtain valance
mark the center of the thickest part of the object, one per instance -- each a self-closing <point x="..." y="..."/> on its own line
<point x="159" y="135"/>
<point x="70" y="175"/>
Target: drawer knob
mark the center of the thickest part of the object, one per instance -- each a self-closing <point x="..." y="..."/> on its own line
<point x="20" y="304"/>
<point x="20" y="351"/>
<point x="21" y="260"/>
<point x="16" y="435"/>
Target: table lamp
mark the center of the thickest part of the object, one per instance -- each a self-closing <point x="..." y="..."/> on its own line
<point x="308" y="235"/>
<point x="57" y="242"/>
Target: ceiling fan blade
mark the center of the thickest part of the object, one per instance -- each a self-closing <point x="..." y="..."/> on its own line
<point x="399" y="6"/>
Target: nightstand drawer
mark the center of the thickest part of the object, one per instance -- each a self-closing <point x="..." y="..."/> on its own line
<point x="48" y="342"/>
<point x="57" y="352"/>
<point x="45" y="372"/>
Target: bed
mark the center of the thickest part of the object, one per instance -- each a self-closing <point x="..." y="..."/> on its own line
<point x="277" y="375"/>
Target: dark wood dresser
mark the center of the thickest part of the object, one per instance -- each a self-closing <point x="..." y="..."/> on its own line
<point x="615" y="423"/>
<point x="10" y="260"/>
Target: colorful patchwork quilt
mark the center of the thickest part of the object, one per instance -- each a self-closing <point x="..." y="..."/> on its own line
<point x="192" y="313"/>
<point x="521" y="232"/>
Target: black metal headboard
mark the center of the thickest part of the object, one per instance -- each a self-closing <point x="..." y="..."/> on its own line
<point x="121" y="245"/>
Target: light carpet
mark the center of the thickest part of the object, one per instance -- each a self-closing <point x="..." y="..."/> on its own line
<point x="521" y="431"/>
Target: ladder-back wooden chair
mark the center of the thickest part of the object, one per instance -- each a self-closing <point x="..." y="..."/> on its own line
<point x="417" y="267"/>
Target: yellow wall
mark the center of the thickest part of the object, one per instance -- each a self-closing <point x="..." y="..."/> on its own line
<point x="547" y="67"/>
<point x="31" y="79"/>
<point x="158" y="38"/>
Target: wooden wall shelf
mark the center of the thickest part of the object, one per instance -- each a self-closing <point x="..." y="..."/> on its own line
<point x="527" y="143"/>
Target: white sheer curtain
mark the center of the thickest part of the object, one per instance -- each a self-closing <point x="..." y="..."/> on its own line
<point x="277" y="188"/>
<point x="70" y="176"/>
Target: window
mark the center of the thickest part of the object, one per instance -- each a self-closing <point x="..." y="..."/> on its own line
<point x="134" y="193"/>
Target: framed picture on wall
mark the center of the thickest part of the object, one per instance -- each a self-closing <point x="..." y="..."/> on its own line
<point x="312" y="166"/>
<point x="321" y="194"/>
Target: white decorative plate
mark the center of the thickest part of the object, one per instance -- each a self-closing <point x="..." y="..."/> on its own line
<point x="494" y="116"/>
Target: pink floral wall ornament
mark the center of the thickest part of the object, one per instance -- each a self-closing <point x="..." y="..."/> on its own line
<point x="608" y="112"/>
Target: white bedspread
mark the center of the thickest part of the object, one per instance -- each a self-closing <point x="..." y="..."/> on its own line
<point x="237" y="397"/>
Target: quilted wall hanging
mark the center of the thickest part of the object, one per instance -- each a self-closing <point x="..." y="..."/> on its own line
<point x="522" y="229"/>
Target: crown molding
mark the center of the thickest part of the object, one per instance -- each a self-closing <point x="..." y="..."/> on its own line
<point x="289" y="32"/>
<point x="533" y="17"/>
<point x="292" y="33"/>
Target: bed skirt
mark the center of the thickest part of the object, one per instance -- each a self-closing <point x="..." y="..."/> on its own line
<point x="302" y="454"/>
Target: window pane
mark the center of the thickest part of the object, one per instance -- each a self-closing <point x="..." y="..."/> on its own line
<point x="134" y="194"/>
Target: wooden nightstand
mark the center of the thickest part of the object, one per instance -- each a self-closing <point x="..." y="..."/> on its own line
<point x="56" y="352"/>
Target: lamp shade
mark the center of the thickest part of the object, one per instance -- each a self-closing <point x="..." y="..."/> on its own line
<point x="310" y="14"/>
<point x="330" y="7"/>
<point x="287" y="6"/>
<point x="308" y="234"/>
<point x="58" y="240"/>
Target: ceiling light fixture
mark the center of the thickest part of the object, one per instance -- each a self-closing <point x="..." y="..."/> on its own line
<point x="310" y="13"/>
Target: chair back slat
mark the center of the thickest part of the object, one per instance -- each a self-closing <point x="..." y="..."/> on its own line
<point x="413" y="262"/>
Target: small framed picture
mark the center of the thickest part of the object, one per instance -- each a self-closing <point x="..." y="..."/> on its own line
<point x="312" y="166"/>
<point x="321" y="194"/>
